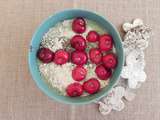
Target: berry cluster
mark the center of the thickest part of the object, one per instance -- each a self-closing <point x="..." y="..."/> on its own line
<point x="105" y="62"/>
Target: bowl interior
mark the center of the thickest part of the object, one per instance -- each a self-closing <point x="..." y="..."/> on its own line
<point x="50" y="22"/>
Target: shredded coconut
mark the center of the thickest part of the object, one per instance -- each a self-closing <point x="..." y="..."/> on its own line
<point x="58" y="76"/>
<point x="57" y="35"/>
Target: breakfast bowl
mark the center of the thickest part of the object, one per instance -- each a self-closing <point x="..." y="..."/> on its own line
<point x="36" y="41"/>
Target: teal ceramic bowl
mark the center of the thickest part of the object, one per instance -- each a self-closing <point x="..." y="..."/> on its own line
<point x="50" y="22"/>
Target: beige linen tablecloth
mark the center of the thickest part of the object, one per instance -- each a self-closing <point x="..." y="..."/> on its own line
<point x="20" y="99"/>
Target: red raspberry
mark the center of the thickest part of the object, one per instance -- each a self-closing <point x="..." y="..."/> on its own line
<point x="92" y="36"/>
<point x="61" y="57"/>
<point x="110" y="60"/>
<point x="45" y="55"/>
<point x="105" y="42"/>
<point x="79" y="58"/>
<point x="102" y="72"/>
<point x="78" y="42"/>
<point x="95" y="55"/>
<point x="74" y="89"/>
<point x="79" y="73"/>
<point x="91" y="86"/>
<point x="79" y="25"/>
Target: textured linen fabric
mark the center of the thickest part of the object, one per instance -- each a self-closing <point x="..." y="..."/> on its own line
<point x="20" y="98"/>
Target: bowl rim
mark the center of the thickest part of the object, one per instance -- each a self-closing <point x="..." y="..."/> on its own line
<point x="41" y="86"/>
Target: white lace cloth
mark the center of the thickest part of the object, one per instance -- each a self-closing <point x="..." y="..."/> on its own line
<point x="135" y="41"/>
